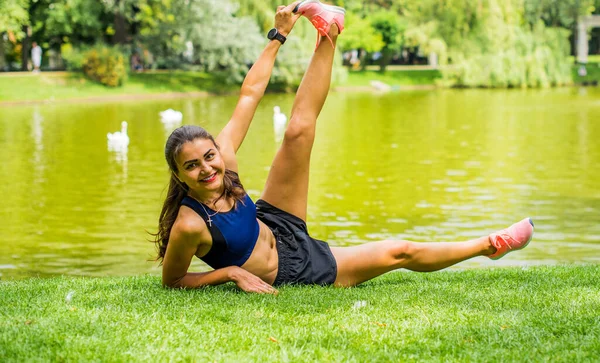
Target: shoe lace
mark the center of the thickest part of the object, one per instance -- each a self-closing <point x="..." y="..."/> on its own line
<point x="506" y="239"/>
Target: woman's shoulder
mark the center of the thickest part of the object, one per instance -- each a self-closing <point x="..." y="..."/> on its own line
<point x="188" y="223"/>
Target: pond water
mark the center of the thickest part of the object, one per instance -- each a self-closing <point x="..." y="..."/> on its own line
<point x="439" y="165"/>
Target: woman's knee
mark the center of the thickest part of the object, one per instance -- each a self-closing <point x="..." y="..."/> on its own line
<point x="400" y="251"/>
<point x="300" y="128"/>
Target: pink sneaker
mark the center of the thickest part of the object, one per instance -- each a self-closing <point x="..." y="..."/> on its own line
<point x="511" y="239"/>
<point x="322" y="17"/>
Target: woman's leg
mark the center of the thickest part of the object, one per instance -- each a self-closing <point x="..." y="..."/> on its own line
<point x="361" y="263"/>
<point x="287" y="184"/>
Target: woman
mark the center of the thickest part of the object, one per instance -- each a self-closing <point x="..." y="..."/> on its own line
<point x="208" y="214"/>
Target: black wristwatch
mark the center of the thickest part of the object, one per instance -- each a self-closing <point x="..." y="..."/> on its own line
<point x="274" y="34"/>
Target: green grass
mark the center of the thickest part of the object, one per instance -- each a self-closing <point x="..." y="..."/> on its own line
<point x="593" y="58"/>
<point x="593" y="74"/>
<point x="593" y="70"/>
<point x="393" y="78"/>
<point x="513" y="314"/>
<point x="57" y="86"/>
<point x="180" y="82"/>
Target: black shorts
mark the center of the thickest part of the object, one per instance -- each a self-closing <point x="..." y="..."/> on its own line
<point x="302" y="259"/>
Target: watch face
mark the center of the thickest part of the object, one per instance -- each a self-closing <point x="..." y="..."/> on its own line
<point x="272" y="33"/>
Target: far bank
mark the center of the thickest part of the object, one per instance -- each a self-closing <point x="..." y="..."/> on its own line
<point x="23" y="88"/>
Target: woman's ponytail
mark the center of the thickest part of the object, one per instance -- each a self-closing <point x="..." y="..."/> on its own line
<point x="175" y="194"/>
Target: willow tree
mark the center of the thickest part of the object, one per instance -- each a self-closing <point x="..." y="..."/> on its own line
<point x="262" y="11"/>
<point x="491" y="43"/>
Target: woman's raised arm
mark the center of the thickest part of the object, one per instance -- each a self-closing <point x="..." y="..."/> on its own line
<point x="253" y="89"/>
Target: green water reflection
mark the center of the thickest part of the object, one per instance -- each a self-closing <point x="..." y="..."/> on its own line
<point x="426" y="165"/>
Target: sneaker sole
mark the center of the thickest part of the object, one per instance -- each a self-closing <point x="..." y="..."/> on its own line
<point x="530" y="237"/>
<point x="335" y="9"/>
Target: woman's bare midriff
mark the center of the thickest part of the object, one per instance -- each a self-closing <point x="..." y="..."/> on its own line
<point x="263" y="262"/>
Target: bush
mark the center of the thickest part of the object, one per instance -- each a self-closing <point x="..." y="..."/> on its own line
<point x="105" y="65"/>
<point x="73" y="57"/>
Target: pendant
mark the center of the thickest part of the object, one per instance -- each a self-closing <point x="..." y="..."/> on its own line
<point x="209" y="221"/>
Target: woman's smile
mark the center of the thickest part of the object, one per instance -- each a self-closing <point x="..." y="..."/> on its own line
<point x="209" y="179"/>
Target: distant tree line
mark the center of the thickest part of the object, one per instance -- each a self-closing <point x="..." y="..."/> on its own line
<point x="489" y="43"/>
<point x="496" y="43"/>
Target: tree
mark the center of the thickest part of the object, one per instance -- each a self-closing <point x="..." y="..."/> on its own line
<point x="490" y="43"/>
<point x="72" y="21"/>
<point x="262" y="11"/>
<point x="13" y="17"/>
<point x="294" y="57"/>
<point x="52" y="22"/>
<point x="221" y="41"/>
<point x="360" y="34"/>
<point x="558" y="14"/>
<point x="391" y="28"/>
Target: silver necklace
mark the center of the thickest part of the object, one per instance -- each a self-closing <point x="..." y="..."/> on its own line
<point x="209" y="220"/>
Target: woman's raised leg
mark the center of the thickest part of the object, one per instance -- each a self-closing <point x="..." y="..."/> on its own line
<point x="287" y="184"/>
<point x="361" y="263"/>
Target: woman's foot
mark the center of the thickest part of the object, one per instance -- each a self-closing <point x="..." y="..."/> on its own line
<point x="323" y="17"/>
<point x="513" y="238"/>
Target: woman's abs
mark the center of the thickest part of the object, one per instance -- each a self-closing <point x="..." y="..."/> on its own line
<point x="263" y="261"/>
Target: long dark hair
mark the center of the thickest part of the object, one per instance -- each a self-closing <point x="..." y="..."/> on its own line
<point x="177" y="190"/>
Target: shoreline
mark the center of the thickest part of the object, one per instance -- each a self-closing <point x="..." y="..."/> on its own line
<point x="194" y="94"/>
<point x="203" y="94"/>
<point x="125" y="97"/>
<point x="69" y="87"/>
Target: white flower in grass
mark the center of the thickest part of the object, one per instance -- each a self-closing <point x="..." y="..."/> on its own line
<point x="69" y="297"/>
<point x="359" y="304"/>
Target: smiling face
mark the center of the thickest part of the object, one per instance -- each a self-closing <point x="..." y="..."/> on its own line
<point x="201" y="168"/>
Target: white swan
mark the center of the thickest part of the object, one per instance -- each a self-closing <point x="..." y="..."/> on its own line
<point x="380" y="86"/>
<point x="279" y="121"/>
<point x="118" y="140"/>
<point x="171" y="116"/>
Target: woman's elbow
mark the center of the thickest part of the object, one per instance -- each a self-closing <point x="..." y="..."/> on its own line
<point x="171" y="283"/>
<point x="252" y="91"/>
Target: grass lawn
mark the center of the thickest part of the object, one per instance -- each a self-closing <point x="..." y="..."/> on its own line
<point x="593" y="74"/>
<point x="393" y="78"/>
<point x="503" y="314"/>
<point x="66" y="85"/>
<point x="592" y="58"/>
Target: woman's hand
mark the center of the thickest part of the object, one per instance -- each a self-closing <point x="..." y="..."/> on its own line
<point x="251" y="283"/>
<point x="285" y="19"/>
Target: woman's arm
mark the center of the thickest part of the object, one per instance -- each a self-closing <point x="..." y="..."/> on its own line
<point x="242" y="278"/>
<point x="253" y="89"/>
<point x="183" y="244"/>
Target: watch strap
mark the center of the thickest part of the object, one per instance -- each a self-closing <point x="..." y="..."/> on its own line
<point x="280" y="37"/>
